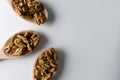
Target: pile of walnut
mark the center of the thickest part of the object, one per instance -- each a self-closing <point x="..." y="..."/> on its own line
<point x="21" y="43"/>
<point x="29" y="9"/>
<point x="46" y="65"/>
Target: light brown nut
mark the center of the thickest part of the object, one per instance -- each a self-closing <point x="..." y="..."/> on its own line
<point x="53" y="64"/>
<point x="52" y="70"/>
<point x="39" y="18"/>
<point x="23" y="38"/>
<point x="18" y="42"/>
<point x="7" y="49"/>
<point x="26" y="34"/>
<point x="47" y="69"/>
<point x="20" y="4"/>
<point x="21" y="43"/>
<point x="29" y="47"/>
<point x="35" y="40"/>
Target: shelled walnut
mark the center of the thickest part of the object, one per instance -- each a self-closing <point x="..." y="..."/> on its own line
<point x="21" y="43"/>
<point x="46" y="65"/>
<point x="39" y="18"/>
<point x="30" y="9"/>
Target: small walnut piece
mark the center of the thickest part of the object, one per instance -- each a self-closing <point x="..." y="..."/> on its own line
<point x="43" y="70"/>
<point x="21" y="43"/>
<point x="30" y="9"/>
<point x="39" y="18"/>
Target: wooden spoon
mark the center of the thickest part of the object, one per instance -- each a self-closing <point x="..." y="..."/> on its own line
<point x="4" y="55"/>
<point x="49" y="58"/>
<point x="45" y="12"/>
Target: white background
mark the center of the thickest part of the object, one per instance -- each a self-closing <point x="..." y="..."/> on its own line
<point x="86" y="34"/>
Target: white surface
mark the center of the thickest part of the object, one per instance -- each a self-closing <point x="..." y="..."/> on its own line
<point x="86" y="34"/>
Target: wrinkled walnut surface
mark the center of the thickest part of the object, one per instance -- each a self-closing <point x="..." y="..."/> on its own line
<point x="46" y="65"/>
<point x="30" y="9"/>
<point x="21" y="43"/>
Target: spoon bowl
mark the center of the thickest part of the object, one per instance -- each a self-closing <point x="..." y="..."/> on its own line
<point x="4" y="55"/>
<point x="45" y="12"/>
<point x="46" y="65"/>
